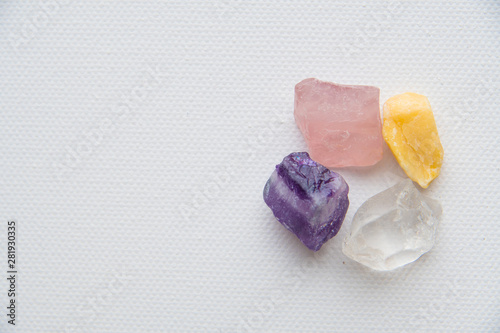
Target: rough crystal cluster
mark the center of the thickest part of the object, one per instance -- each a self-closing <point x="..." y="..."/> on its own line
<point x="307" y="198"/>
<point x="340" y="123"/>
<point x="393" y="228"/>
<point x="410" y="131"/>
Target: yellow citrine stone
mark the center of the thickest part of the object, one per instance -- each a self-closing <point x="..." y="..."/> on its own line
<point x="411" y="133"/>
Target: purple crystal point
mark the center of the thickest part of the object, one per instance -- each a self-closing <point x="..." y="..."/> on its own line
<point x="308" y="199"/>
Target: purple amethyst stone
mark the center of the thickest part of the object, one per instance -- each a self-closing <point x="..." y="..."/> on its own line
<point x="307" y="198"/>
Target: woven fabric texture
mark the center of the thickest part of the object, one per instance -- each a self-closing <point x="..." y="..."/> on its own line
<point x="136" y="138"/>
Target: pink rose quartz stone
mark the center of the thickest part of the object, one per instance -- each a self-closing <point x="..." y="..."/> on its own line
<point x="340" y="123"/>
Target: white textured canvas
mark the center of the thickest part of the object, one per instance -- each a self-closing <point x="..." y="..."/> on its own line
<point x="137" y="136"/>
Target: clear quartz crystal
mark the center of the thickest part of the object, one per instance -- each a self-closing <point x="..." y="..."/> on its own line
<point x="393" y="228"/>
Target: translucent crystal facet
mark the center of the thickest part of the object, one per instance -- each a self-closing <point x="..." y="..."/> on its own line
<point x="393" y="228"/>
<point x="340" y="123"/>
<point x="307" y="199"/>
<point x="411" y="133"/>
